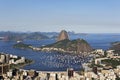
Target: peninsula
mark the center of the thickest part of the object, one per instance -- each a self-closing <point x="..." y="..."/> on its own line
<point x="70" y="46"/>
<point x="62" y="44"/>
<point x="21" y="45"/>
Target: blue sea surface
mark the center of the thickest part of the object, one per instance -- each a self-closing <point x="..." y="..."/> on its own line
<point x="57" y="61"/>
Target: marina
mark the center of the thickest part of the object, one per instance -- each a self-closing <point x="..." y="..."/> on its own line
<point x="45" y="61"/>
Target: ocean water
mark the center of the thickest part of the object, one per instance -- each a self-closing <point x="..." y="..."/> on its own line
<point x="58" y="61"/>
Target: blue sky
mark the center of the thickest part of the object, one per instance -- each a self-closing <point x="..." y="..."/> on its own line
<point x="83" y="16"/>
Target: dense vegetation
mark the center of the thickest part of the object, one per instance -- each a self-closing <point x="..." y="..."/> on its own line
<point x="72" y="45"/>
<point x="111" y="62"/>
<point x="22" y="46"/>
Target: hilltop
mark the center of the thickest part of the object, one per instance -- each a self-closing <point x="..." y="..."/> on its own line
<point x="78" y="45"/>
<point x="63" y="35"/>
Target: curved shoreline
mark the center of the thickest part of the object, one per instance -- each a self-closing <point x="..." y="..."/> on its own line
<point x="18" y="66"/>
<point x="26" y="64"/>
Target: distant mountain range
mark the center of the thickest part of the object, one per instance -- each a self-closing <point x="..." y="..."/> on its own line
<point x="21" y="36"/>
<point x="32" y="35"/>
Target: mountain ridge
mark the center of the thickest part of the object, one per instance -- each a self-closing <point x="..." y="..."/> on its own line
<point x="78" y="45"/>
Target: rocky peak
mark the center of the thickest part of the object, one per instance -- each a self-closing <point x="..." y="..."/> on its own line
<point x="63" y="35"/>
<point x="83" y="46"/>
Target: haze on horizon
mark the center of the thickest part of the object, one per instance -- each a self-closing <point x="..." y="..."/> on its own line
<point x="83" y="16"/>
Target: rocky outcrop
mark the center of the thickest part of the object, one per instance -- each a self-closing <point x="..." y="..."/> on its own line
<point x="63" y="35"/>
<point x="115" y="46"/>
<point x="83" y="46"/>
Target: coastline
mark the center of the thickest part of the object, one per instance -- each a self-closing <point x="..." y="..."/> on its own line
<point x="27" y="64"/>
<point x="18" y="66"/>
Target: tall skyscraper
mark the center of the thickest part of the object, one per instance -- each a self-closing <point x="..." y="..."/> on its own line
<point x="7" y="58"/>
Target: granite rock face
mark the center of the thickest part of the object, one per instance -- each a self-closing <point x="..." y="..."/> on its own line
<point x="63" y="35"/>
<point x="83" y="46"/>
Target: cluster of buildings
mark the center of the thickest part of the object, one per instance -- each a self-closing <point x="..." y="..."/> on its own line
<point x="8" y="60"/>
<point x="97" y="70"/>
<point x="101" y="72"/>
<point x="50" y="49"/>
<point x="11" y="59"/>
<point x="98" y="73"/>
<point x="53" y="49"/>
<point x="47" y="49"/>
<point x="20" y="74"/>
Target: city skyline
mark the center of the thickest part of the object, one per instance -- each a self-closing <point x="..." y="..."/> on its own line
<point x="88" y="16"/>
